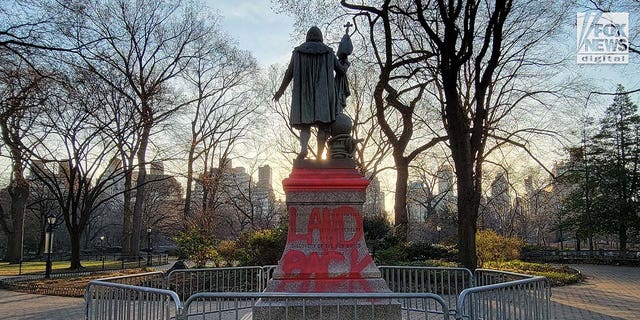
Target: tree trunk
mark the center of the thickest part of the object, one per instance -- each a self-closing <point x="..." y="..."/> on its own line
<point x="140" y="186"/>
<point x="187" y="197"/>
<point x="75" y="250"/>
<point x="19" y="192"/>
<point x="622" y="236"/>
<point x="42" y="241"/>
<point x="127" y="214"/>
<point x="467" y="182"/>
<point x="400" y="200"/>
<point x="467" y="221"/>
<point x="13" y="252"/>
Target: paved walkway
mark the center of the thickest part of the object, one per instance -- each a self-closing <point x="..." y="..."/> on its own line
<point x="609" y="293"/>
<point x="17" y="305"/>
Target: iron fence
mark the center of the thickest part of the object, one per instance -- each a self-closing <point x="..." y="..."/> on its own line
<point x="505" y="295"/>
<point x="282" y="306"/>
<point x="446" y="282"/>
<point x="109" y="300"/>
<point x="233" y="293"/>
<point x="186" y="282"/>
<point x="108" y="263"/>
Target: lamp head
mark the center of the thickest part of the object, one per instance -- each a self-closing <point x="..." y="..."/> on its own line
<point x="51" y="219"/>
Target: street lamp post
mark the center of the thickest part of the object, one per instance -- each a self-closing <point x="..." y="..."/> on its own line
<point x="438" y="228"/>
<point x="149" y="247"/>
<point x="51" y="221"/>
<point x="102" y="251"/>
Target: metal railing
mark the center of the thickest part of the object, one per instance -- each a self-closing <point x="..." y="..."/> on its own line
<point x="232" y="293"/>
<point x="107" y="301"/>
<point x="282" y="306"/>
<point x="187" y="282"/>
<point x="505" y="295"/>
<point x="446" y="282"/>
<point x="109" y="262"/>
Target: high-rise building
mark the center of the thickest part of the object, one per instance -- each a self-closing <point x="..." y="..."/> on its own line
<point x="39" y="168"/>
<point x="240" y="201"/>
<point x="265" y="177"/>
<point x="264" y="196"/>
<point x="419" y="198"/>
<point x="497" y="213"/>
<point x="374" y="200"/>
<point x="445" y="198"/>
<point x="445" y="179"/>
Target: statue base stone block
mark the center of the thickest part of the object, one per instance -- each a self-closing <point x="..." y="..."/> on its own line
<point x="326" y="251"/>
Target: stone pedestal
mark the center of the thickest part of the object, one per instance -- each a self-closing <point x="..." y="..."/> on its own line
<point x="326" y="249"/>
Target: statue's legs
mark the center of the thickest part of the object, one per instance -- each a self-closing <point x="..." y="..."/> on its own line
<point x="324" y="131"/>
<point x="305" y="135"/>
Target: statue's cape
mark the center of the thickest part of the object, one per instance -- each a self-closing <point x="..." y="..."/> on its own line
<point x="313" y="95"/>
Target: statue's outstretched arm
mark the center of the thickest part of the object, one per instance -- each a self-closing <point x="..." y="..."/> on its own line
<point x="288" y="76"/>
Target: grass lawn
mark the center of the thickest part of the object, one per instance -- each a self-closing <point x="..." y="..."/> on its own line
<point x="71" y="287"/>
<point x="7" y="269"/>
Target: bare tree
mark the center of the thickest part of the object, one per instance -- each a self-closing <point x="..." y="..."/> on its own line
<point x="72" y="160"/>
<point x="148" y="43"/>
<point x="219" y="78"/>
<point x="373" y="147"/>
<point x="27" y="28"/>
<point x="162" y="204"/>
<point x="21" y="96"/>
<point x="24" y="36"/>
<point x="40" y="206"/>
<point x="472" y="51"/>
<point x="122" y="125"/>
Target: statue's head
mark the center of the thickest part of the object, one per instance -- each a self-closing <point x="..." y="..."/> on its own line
<point x="314" y="34"/>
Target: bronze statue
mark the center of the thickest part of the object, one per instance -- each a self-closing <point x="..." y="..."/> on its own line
<point x="315" y="97"/>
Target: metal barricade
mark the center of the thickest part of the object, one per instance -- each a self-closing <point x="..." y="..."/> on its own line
<point x="284" y="306"/>
<point x="267" y="274"/>
<point x="527" y="298"/>
<point x="233" y="293"/>
<point x="446" y="282"/>
<point x="107" y="301"/>
<point x="187" y="282"/>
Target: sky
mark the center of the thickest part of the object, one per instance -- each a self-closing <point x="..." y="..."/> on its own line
<point x="257" y="28"/>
